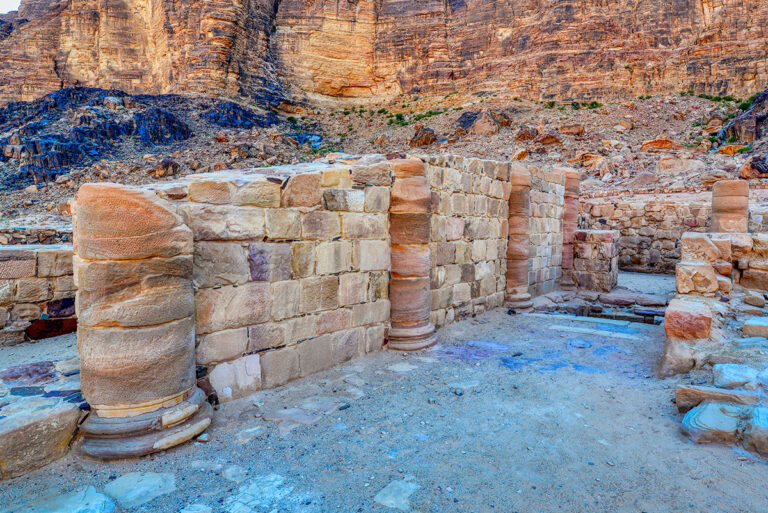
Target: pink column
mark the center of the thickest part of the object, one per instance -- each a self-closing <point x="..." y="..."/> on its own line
<point x="518" y="247"/>
<point x="570" y="220"/>
<point x="409" y="229"/>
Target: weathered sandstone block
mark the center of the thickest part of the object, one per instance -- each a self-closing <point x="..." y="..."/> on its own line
<point x="687" y="320"/>
<point x="695" y="277"/>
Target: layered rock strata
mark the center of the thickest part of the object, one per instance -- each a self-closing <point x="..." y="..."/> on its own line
<point x="540" y="49"/>
<point x="136" y="336"/>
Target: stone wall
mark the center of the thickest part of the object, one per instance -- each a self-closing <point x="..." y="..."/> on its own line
<point x="36" y="292"/>
<point x="650" y="229"/>
<point x="470" y="213"/>
<point x="546" y="229"/>
<point x="290" y="269"/>
<point x="596" y="259"/>
<point x="293" y="266"/>
<point x="35" y="235"/>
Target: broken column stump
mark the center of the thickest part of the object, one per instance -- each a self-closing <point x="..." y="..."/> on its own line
<point x="730" y="206"/>
<point x="409" y="289"/>
<point x="518" y="246"/>
<point x="136" y="335"/>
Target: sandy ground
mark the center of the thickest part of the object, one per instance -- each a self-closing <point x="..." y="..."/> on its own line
<point x="467" y="426"/>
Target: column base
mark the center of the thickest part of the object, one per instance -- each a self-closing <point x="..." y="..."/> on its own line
<point x="412" y="339"/>
<point x="521" y="302"/>
<point x="126" y="437"/>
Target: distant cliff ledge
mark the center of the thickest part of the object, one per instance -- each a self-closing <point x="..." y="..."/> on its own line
<point x="539" y="49"/>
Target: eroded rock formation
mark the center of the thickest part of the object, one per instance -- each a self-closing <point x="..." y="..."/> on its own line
<point x="364" y="48"/>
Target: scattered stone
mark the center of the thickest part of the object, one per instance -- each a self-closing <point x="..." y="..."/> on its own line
<point x="576" y="130"/>
<point x="402" y="367"/>
<point x="235" y="473"/>
<point x="577" y="343"/>
<point x="34" y="431"/>
<point x="263" y="493"/>
<point x="137" y="488"/>
<point x="247" y="435"/>
<point x="196" y="508"/>
<point x="754" y="298"/>
<point x="296" y="415"/>
<point x="396" y="495"/>
<point x="84" y="500"/>
<point x="689" y="396"/>
<point x="734" y="375"/>
<point x="205" y="438"/>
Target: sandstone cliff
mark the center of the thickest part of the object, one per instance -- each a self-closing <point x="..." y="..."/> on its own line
<point x="540" y="49"/>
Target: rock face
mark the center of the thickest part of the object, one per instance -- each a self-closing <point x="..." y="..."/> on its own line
<point x="536" y="48"/>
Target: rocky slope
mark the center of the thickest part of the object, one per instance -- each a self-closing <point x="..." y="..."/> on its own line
<point x="539" y="49"/>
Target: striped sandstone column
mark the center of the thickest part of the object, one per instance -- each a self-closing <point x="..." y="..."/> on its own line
<point x="136" y="335"/>
<point x="518" y="247"/>
<point x="570" y="220"/>
<point x="409" y="229"/>
<point x="730" y="206"/>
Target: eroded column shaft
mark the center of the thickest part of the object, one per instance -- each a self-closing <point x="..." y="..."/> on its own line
<point x="518" y="247"/>
<point x="136" y="339"/>
<point x="570" y="220"/>
<point x="730" y="206"/>
<point x="409" y="288"/>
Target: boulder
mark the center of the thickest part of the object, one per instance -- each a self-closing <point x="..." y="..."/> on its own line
<point x="714" y="422"/>
<point x="673" y="166"/>
<point x="754" y="167"/>
<point x="485" y="124"/>
<point x="734" y="375"/>
<point x="659" y="145"/>
<point x="576" y="130"/>
<point x="526" y="133"/>
<point x="423" y="137"/>
<point x="548" y="139"/>
<point x="755" y="433"/>
<point x="756" y="327"/>
<point x="754" y="279"/>
<point x="754" y="298"/>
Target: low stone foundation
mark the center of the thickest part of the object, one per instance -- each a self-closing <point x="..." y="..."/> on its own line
<point x="37" y="294"/>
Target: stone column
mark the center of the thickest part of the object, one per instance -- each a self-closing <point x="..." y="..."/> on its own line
<point x="730" y="207"/>
<point x="570" y="220"/>
<point x="136" y="337"/>
<point x="409" y="230"/>
<point x="518" y="247"/>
